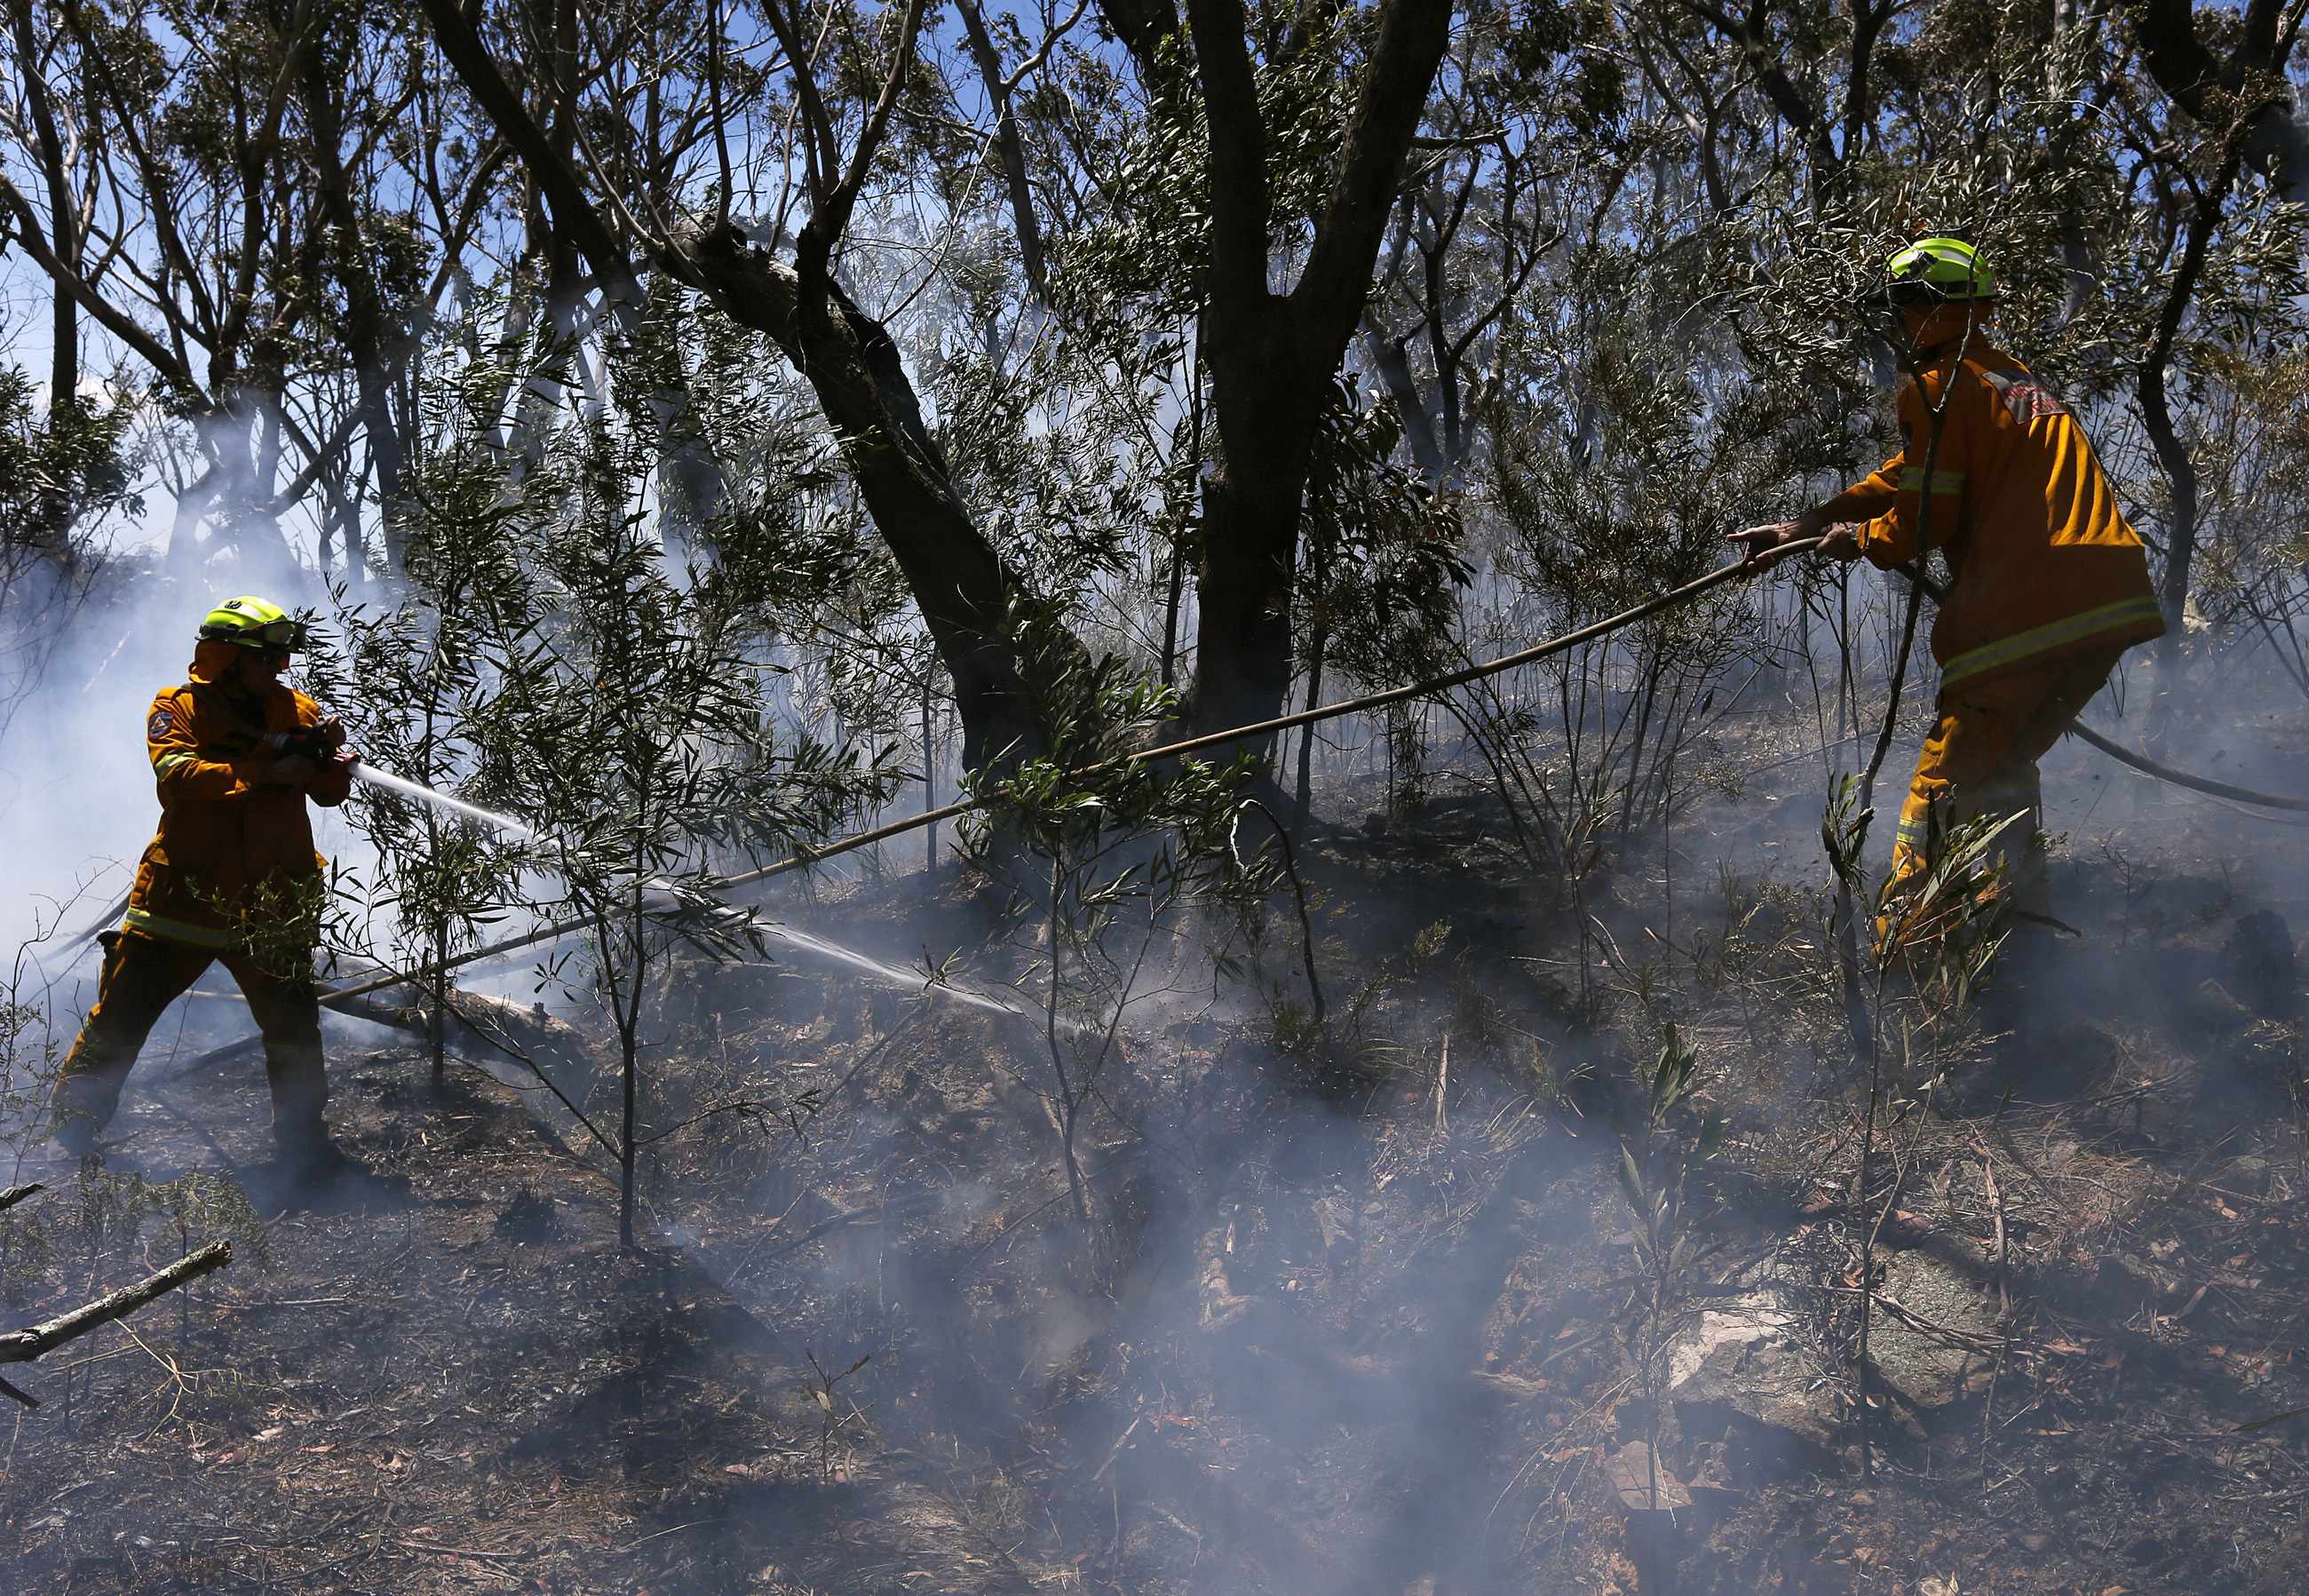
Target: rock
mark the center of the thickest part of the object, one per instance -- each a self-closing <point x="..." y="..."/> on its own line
<point x="1931" y="1369"/>
<point x="1754" y="1403"/>
<point x="1746" y="1393"/>
<point x="1629" y="1471"/>
<point x="1508" y="1388"/>
<point x="1656" y="1530"/>
<point x="2123" y="1283"/>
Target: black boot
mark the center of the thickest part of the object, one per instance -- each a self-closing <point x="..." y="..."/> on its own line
<point x="307" y="1155"/>
<point x="81" y="1107"/>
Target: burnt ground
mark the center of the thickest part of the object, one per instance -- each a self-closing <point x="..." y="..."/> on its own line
<point x="1355" y="1319"/>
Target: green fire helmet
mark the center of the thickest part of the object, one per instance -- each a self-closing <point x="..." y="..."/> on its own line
<point x="253" y="623"/>
<point x="1942" y="271"/>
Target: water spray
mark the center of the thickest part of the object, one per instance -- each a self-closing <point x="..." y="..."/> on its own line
<point x="660" y="900"/>
<point x="407" y="788"/>
<point x="363" y="770"/>
<point x="806" y="857"/>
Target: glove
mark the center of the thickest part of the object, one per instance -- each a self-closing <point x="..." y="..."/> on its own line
<point x="290" y="771"/>
<point x="313" y="744"/>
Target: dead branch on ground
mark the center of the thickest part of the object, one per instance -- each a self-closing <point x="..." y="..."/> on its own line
<point x="24" y="1344"/>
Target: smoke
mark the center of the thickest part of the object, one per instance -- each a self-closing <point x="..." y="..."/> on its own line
<point x="1378" y="1338"/>
<point x="77" y="802"/>
<point x="1348" y="1323"/>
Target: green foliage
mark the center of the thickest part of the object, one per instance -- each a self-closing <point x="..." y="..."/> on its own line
<point x="1110" y="852"/>
<point x="1668" y="1135"/>
<point x="1384" y="552"/>
<point x="1947" y="922"/>
<point x="1661" y="1148"/>
<point x="1844" y="825"/>
<point x="61" y="472"/>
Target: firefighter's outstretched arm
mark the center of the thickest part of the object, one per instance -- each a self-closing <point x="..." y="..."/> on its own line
<point x="1763" y="544"/>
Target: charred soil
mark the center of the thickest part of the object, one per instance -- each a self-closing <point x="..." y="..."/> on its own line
<point x="1359" y="1308"/>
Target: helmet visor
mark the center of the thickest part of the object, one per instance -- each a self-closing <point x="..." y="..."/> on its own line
<point x="283" y="636"/>
<point x="1938" y="271"/>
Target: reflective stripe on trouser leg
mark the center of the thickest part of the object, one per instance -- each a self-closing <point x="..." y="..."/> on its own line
<point x="140" y="978"/>
<point x="289" y="1013"/>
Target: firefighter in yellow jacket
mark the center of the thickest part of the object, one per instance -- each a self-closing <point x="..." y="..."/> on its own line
<point x="2051" y="586"/>
<point x="231" y="877"/>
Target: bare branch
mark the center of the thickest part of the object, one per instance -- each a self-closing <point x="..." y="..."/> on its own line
<point x="24" y="1344"/>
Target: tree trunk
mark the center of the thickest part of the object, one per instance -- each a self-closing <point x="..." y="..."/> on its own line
<point x="1009" y="146"/>
<point x="64" y="240"/>
<point x="964" y="592"/>
<point x="1273" y="357"/>
<point x="964" y="595"/>
<point x="2275" y="140"/>
<point x="1249" y="547"/>
<point x="376" y="349"/>
<point x="1390" y="362"/>
<point x="2157" y="417"/>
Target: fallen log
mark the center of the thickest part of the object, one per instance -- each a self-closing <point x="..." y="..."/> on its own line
<point x="527" y="1035"/>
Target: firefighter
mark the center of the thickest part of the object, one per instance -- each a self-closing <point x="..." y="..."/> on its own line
<point x="231" y="877"/>
<point x="2051" y="586"/>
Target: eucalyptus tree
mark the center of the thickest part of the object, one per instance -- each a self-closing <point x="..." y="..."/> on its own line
<point x="1522" y="119"/>
<point x="247" y="202"/>
<point x="2228" y="69"/>
<point x="1286" y="140"/>
<point x="176" y="247"/>
<point x="632" y="703"/>
<point x="849" y="359"/>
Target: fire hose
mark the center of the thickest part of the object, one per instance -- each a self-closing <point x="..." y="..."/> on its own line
<point x="805" y="855"/>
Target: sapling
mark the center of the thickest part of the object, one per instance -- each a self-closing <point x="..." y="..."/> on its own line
<point x="1120" y="852"/>
<point x="418" y="679"/>
<point x="1945" y="924"/>
<point x="636" y="705"/>
<point x="1660" y="1148"/>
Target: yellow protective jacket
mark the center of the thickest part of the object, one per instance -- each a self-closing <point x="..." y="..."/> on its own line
<point x="2045" y="566"/>
<point x="227" y="847"/>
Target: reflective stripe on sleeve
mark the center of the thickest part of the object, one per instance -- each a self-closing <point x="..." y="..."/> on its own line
<point x="174" y="760"/>
<point x="1912" y="480"/>
<point x="2123" y="615"/>
<point x="176" y="931"/>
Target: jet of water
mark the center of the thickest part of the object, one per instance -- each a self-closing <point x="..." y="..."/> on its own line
<point x="441" y="801"/>
<point x="659" y="898"/>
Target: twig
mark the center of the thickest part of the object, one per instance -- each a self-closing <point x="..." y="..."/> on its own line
<point x="464" y="1551"/>
<point x="1115" y="1451"/>
<point x="1966" y="1340"/>
<point x="16" y="1194"/>
<point x="662" y="1534"/>
<point x="1442" y="1080"/>
<point x="1996" y="1196"/>
<point x="1299" y="897"/>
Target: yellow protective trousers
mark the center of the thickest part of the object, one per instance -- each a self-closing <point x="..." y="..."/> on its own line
<point x="1981" y="756"/>
<point x="142" y="976"/>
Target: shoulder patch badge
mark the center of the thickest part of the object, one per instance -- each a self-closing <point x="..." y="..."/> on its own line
<point x="163" y="722"/>
<point x="2026" y="399"/>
